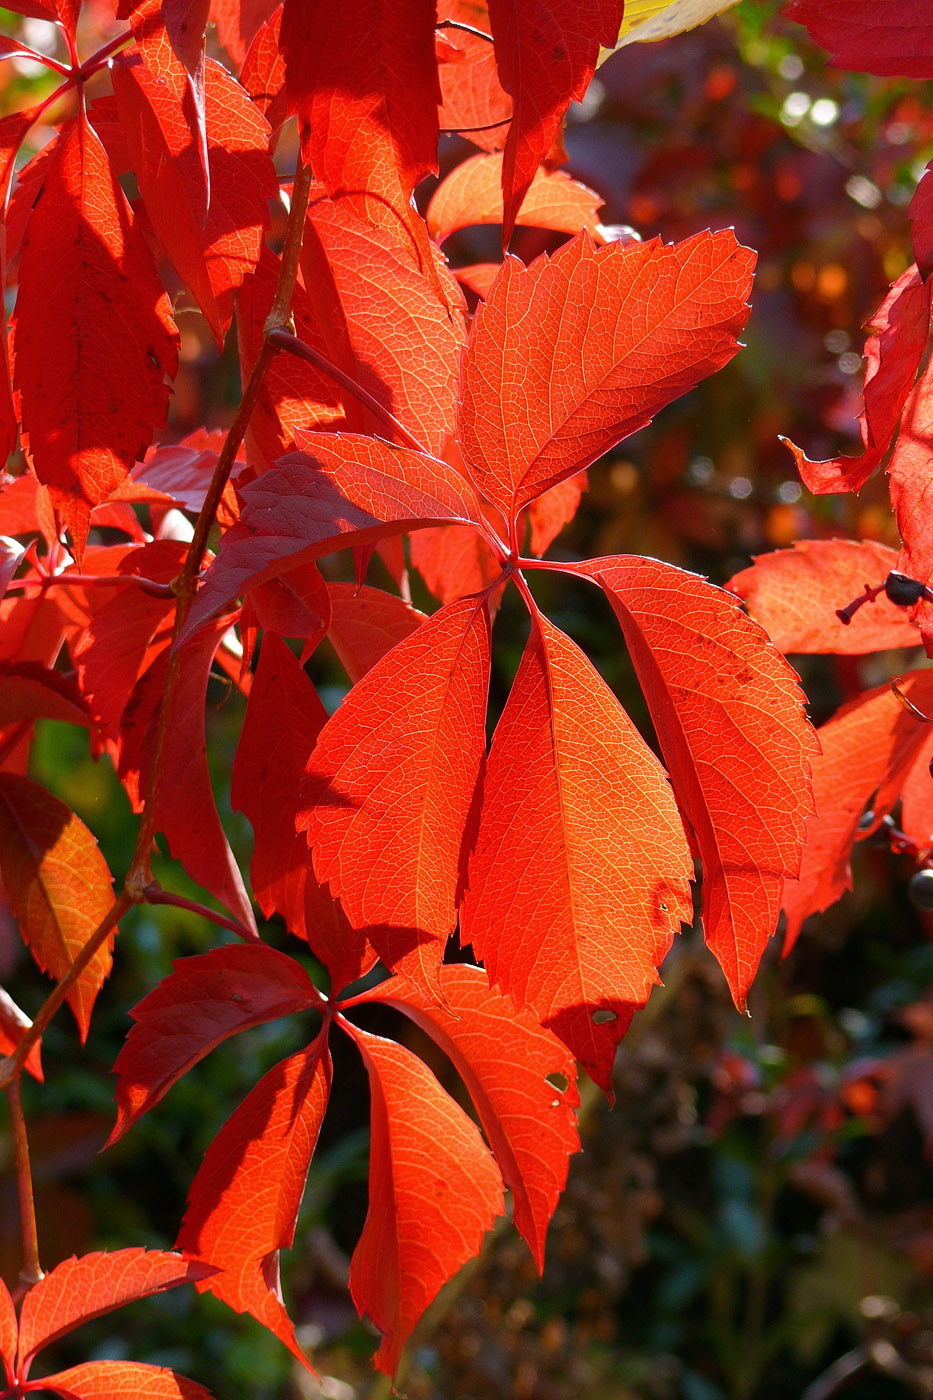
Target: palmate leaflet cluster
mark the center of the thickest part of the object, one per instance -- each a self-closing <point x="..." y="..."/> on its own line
<point x="375" y="410"/>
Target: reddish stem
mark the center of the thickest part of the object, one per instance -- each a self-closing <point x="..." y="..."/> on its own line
<point x="32" y="1270"/>
<point x="97" y="60"/>
<point x="148" y="585"/>
<point x="156" y="895"/>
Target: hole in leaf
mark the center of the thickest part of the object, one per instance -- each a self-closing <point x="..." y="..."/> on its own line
<point x="558" y="1081"/>
<point x="603" y="1016"/>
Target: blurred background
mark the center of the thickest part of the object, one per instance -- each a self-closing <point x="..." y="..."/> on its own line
<point x="754" y="1218"/>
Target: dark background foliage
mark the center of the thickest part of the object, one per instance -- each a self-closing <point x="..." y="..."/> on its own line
<point x="759" y="1203"/>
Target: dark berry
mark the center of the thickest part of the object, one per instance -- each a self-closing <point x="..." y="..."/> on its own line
<point x="921" y="891"/>
<point x="902" y="590"/>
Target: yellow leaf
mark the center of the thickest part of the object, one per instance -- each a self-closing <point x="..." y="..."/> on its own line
<point x="647" y="20"/>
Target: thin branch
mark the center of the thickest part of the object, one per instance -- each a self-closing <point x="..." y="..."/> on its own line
<point x="466" y="28"/>
<point x="148" y="585"/>
<point x="32" y="1270"/>
<point x="284" y="340"/>
<point x="100" y="57"/>
<point x="465" y="130"/>
<point x="156" y="895"/>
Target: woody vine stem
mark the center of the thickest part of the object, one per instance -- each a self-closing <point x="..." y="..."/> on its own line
<point x="138" y="887"/>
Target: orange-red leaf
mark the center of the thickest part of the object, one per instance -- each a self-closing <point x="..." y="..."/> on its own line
<point x="93" y="333"/>
<point x="362" y="78"/>
<point x="390" y="785"/>
<point x="244" y="1201"/>
<point x="203" y="1001"/>
<point x="434" y="1191"/>
<point x="868" y="747"/>
<point x="521" y="1079"/>
<point x="79" y="1289"/>
<point x="365" y="623"/>
<point x="917" y="799"/>
<point x="378" y="319"/>
<point x="546" y="54"/>
<point x="238" y="22"/>
<point x="729" y="715"/>
<point x="581" y="349"/>
<point x="453" y="561"/>
<point x="472" y="194"/>
<point x="548" y="514"/>
<point x="341" y="491"/>
<point x="471" y="93"/>
<point x="283" y="720"/>
<point x="213" y="252"/>
<point x="581" y="872"/>
<point x="898" y="335"/>
<point x="58" y="885"/>
<point x="794" y="594"/>
<point x="122" y="1380"/>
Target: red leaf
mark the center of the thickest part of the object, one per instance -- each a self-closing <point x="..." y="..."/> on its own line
<point x="583" y="348"/>
<point x="453" y="561"/>
<point x="9" y="1330"/>
<point x="548" y="514"/>
<point x="478" y="277"/>
<point x="521" y="1080"/>
<point x="90" y="381"/>
<point x="365" y="623"/>
<point x="729" y="715"/>
<point x="894" y="38"/>
<point x="238" y="22"/>
<point x="472" y="194"/>
<point x="212" y="253"/>
<point x="471" y="94"/>
<point x="363" y="81"/>
<point x="121" y="1380"/>
<point x="263" y="72"/>
<point x="244" y="1201"/>
<point x="341" y="491"/>
<point x="581" y="873"/>
<point x="794" y="594"/>
<point x="546" y="54"/>
<point x="125" y="635"/>
<point x="283" y="720"/>
<point x="910" y="474"/>
<point x="899" y="330"/>
<point x="203" y="1001"/>
<point x="391" y="782"/>
<point x="13" y="1023"/>
<point x="58" y="885"/>
<point x="869" y="746"/>
<point x="921" y="218"/>
<point x="434" y="1191"/>
<point x="80" y="1289"/>
<point x="378" y="320"/>
<point x="192" y="827"/>
<point x="13" y="128"/>
<point x="917" y="800"/>
<point x="29" y="691"/>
